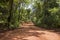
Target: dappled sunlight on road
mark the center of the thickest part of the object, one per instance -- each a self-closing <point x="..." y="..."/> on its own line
<point x="29" y="32"/>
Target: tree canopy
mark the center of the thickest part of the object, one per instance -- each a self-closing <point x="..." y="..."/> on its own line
<point x="43" y="13"/>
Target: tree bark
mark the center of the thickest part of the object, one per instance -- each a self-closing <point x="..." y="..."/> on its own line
<point x="10" y="11"/>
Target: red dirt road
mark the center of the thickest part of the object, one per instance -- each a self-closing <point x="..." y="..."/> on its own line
<point x="29" y="32"/>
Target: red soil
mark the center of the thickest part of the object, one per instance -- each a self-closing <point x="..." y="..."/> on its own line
<point x="29" y="32"/>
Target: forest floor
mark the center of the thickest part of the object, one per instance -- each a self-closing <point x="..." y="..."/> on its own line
<point x="30" y="32"/>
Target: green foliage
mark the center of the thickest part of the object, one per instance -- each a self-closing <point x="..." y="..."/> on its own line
<point x="47" y="14"/>
<point x="9" y="14"/>
<point x="44" y="13"/>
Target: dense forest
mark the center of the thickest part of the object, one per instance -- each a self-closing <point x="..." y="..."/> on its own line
<point x="43" y="13"/>
<point x="29" y="19"/>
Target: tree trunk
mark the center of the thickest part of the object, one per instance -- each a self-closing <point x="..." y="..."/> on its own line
<point x="10" y="11"/>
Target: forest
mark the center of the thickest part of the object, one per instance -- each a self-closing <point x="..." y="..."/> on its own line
<point x="43" y="14"/>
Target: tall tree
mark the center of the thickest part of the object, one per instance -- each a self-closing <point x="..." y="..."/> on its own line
<point x="10" y="12"/>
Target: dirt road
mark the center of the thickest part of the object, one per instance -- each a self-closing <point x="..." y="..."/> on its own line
<point x="29" y="32"/>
